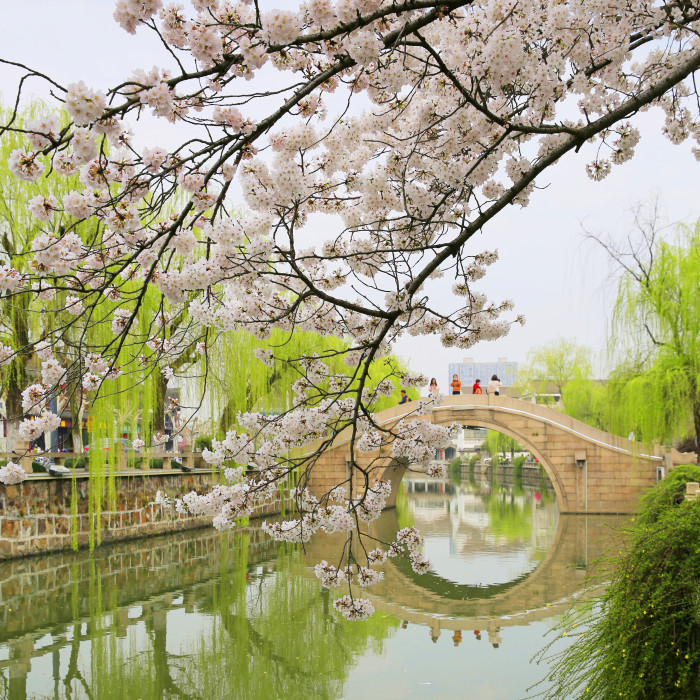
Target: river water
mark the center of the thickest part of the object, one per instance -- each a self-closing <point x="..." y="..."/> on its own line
<point x="205" y="615"/>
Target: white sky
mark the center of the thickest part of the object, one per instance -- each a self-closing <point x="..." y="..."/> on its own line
<point x="557" y="280"/>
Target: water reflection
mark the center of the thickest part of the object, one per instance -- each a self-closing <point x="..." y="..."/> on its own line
<point x="193" y="616"/>
<point x="203" y="615"/>
<point x="481" y="534"/>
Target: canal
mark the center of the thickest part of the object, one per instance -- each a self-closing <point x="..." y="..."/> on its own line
<point x="208" y="615"/>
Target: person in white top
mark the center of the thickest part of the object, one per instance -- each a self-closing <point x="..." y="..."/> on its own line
<point x="434" y="388"/>
<point x="494" y="386"/>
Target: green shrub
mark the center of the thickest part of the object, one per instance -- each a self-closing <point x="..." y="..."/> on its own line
<point x="669" y="491"/>
<point x="642" y="638"/>
<point x="455" y="471"/>
<point x="38" y="467"/>
<point x="75" y="462"/>
<point x="156" y="463"/>
<point x="134" y="463"/>
<point x="472" y="462"/>
<point x="201" y="442"/>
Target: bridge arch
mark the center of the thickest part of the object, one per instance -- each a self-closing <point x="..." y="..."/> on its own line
<point x="525" y="440"/>
<point x="591" y="471"/>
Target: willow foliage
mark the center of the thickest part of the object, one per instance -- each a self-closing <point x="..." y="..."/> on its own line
<point x="656" y="321"/>
<point x="21" y="315"/>
<point x="588" y="401"/>
<point x="232" y="379"/>
<point x="499" y="443"/>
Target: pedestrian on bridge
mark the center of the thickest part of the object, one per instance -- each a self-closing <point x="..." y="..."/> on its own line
<point x="434" y="388"/>
<point x="476" y="389"/>
<point x="456" y="384"/>
<point x="494" y="386"/>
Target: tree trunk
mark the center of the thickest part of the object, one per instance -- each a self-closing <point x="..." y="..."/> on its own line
<point x="12" y="433"/>
<point x="696" y="423"/>
<point x="15" y="376"/>
<point x="77" y="429"/>
<point x="228" y="415"/>
<point x="158" y="414"/>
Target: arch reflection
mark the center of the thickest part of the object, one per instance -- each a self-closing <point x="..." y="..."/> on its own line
<point x="546" y="558"/>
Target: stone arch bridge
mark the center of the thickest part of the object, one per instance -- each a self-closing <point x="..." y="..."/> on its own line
<point x="591" y="471"/>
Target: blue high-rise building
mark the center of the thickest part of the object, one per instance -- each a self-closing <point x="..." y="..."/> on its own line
<point x="468" y="371"/>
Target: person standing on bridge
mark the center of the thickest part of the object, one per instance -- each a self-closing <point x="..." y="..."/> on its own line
<point x="434" y="388"/>
<point x="404" y="397"/>
<point x="476" y="389"/>
<point x="456" y="384"/>
<point x="494" y="386"/>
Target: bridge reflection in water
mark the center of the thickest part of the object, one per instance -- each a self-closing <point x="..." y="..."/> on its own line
<point x="199" y="614"/>
<point x="519" y="560"/>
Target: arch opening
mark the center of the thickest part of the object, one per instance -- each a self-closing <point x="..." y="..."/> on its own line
<point x="484" y="531"/>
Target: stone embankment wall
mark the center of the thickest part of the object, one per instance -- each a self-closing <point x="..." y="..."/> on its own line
<point x="532" y="474"/>
<point x="35" y="516"/>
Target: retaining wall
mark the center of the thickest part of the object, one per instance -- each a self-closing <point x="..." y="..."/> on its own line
<point x="531" y="474"/>
<point x="35" y="516"/>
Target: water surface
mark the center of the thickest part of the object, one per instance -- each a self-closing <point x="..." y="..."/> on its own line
<point x="205" y="615"/>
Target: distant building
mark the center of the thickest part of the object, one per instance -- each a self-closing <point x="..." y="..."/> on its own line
<point x="468" y="371"/>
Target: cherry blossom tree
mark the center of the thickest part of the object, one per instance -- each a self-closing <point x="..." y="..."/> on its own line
<point x="369" y="140"/>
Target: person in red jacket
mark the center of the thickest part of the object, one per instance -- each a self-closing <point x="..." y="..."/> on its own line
<point x="476" y="389"/>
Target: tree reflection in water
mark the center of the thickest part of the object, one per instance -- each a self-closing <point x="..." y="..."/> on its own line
<point x="251" y="627"/>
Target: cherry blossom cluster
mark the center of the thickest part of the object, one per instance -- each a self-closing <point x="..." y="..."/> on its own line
<point x="436" y="470"/>
<point x="409" y="543"/>
<point x="45" y="422"/>
<point x="12" y="473"/>
<point x="354" y="608"/>
<point x="329" y="576"/>
<point x="417" y="440"/>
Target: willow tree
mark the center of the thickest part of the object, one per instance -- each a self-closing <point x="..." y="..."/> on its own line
<point x="588" y="400"/>
<point x="655" y="388"/>
<point x="408" y="125"/>
<point x="557" y="363"/>
<point x="499" y="442"/>
<point x="239" y="383"/>
<point x="26" y="212"/>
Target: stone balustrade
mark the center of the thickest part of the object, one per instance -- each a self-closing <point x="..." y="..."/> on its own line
<point x="188" y="458"/>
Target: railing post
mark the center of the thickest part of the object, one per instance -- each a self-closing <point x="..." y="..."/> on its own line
<point x="19" y="456"/>
<point x="188" y="456"/>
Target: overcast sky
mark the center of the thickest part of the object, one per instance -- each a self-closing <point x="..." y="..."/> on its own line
<point x="560" y="282"/>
